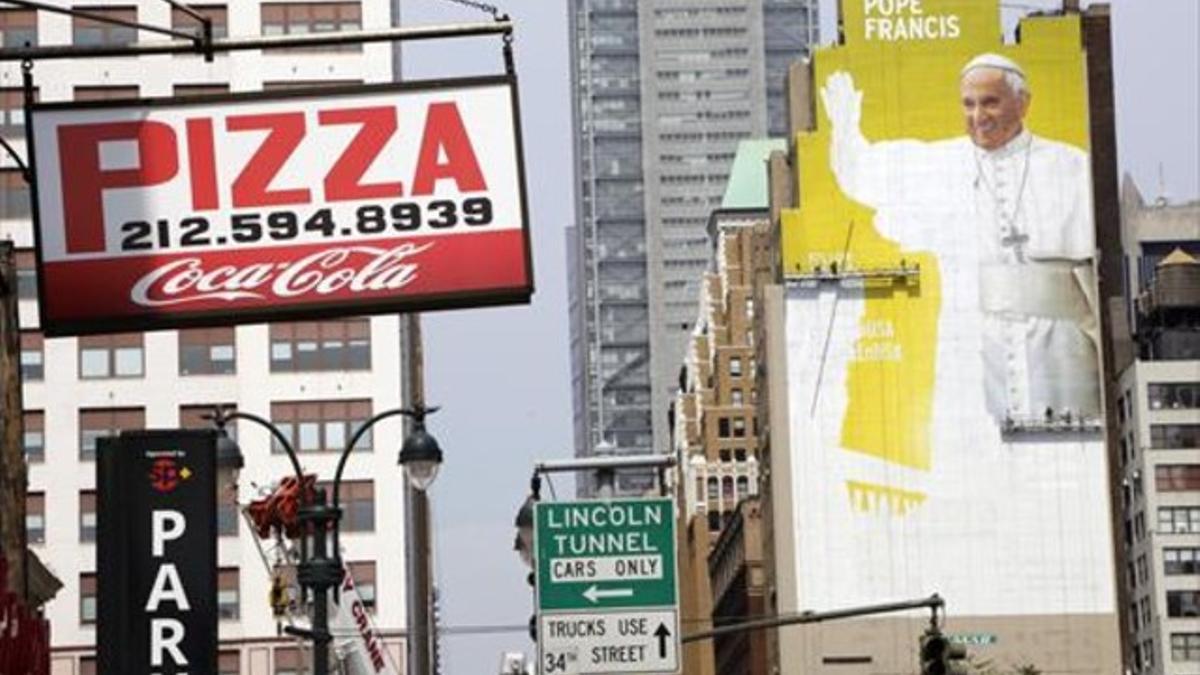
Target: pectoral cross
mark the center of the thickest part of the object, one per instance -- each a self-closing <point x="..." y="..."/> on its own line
<point x="1016" y="240"/>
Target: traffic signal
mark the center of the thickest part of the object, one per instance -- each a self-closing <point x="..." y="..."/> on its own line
<point x="941" y="657"/>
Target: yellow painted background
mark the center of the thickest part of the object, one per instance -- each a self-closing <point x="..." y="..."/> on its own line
<point x="911" y="91"/>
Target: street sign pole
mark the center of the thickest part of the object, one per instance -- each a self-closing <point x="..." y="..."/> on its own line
<point x="607" y="587"/>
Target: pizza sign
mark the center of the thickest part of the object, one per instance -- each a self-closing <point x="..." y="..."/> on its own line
<point x="157" y="214"/>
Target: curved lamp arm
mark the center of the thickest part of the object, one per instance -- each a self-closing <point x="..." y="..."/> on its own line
<point x="223" y="416"/>
<point x="341" y="465"/>
<point x="417" y="413"/>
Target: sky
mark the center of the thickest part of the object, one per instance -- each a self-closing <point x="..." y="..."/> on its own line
<point x="502" y="375"/>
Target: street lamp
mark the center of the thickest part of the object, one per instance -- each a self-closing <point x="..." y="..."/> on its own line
<point x="317" y="570"/>
<point x="420" y="455"/>
<point x="524" y="522"/>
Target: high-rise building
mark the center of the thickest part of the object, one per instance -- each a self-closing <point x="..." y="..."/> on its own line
<point x="909" y="446"/>
<point x="663" y="92"/>
<point x="1158" y="427"/>
<point x="315" y="380"/>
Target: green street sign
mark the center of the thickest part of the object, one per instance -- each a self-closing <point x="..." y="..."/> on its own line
<point x="605" y="554"/>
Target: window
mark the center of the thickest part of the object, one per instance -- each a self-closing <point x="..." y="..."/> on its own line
<point x="714" y="487"/>
<point x="326" y="345"/>
<point x="1174" y="396"/>
<point x="227" y="593"/>
<point x="185" y="90"/>
<point x="1185" y="647"/>
<point x="299" y="18"/>
<point x="229" y="663"/>
<point x="94" y="424"/>
<point x="358" y="505"/>
<point x="739" y="427"/>
<point x="87" y="597"/>
<point x="12" y="112"/>
<point x="35" y="517"/>
<point x="105" y="93"/>
<point x="207" y="351"/>
<point x="26" y="264"/>
<point x="198" y="416"/>
<point x="735" y="366"/>
<point x="363" y="574"/>
<point x="14" y="200"/>
<point x="18" y="27"/>
<point x="116" y="355"/>
<point x="32" y="365"/>
<point x="736" y="396"/>
<point x="1181" y="561"/>
<point x="87" y="665"/>
<point x="33" y="439"/>
<point x="321" y="426"/>
<point x="290" y="661"/>
<point x="1183" y="603"/>
<point x="1179" y="520"/>
<point x="1177" y="477"/>
<point x="93" y="32"/>
<point x="87" y="515"/>
<point x="217" y="14"/>
<point x="1174" y="436"/>
<point x="723" y="427"/>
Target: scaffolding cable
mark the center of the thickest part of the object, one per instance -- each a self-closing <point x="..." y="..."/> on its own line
<point x="190" y="45"/>
<point x="32" y="4"/>
<point x="187" y="10"/>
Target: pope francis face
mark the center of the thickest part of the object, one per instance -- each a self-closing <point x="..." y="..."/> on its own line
<point x="993" y="110"/>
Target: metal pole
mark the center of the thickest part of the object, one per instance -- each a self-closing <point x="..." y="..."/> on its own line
<point x="416" y="531"/>
<point x="933" y="602"/>
<point x="319" y="566"/>
<point x="587" y="463"/>
<point x="231" y="44"/>
<point x="13" y="472"/>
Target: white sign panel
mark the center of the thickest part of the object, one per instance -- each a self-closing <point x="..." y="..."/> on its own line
<point x="610" y="642"/>
<point x="211" y="211"/>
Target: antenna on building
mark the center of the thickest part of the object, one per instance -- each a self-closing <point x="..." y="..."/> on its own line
<point x="1161" y="200"/>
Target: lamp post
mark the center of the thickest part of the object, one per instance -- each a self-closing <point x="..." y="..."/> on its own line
<point x="319" y="571"/>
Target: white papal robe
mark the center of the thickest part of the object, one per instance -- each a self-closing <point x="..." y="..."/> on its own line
<point x="1012" y="230"/>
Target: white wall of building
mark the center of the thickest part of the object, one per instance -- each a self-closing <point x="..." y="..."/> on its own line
<point x="161" y="391"/>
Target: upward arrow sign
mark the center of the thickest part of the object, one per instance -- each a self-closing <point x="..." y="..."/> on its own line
<point x="662" y="634"/>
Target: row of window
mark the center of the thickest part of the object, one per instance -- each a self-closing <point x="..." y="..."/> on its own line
<point x="1162" y="396"/>
<point x="19" y="27"/>
<point x="1174" y="395"/>
<point x="287" y="660"/>
<point x="1177" y="477"/>
<point x="1174" y="436"/>
<point x="299" y="347"/>
<point x="357" y="503"/>
<point x="310" y="426"/>
<point x="229" y="595"/>
<point x="1177" y="561"/>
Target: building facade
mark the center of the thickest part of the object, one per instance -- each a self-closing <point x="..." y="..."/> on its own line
<point x="663" y="92"/>
<point x="715" y="427"/>
<point x="1158" y="434"/>
<point x="315" y="380"/>
<point x="888" y="477"/>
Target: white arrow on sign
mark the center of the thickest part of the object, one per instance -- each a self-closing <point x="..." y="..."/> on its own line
<point x="595" y="595"/>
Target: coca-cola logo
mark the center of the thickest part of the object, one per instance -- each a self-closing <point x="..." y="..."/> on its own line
<point x="359" y="269"/>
